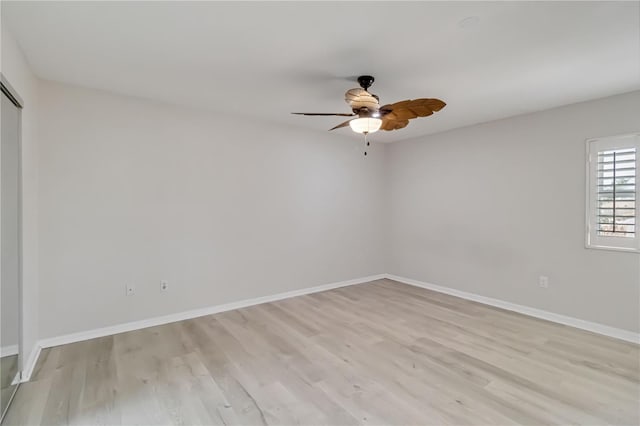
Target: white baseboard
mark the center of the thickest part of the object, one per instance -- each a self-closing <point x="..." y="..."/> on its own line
<point x="180" y="316"/>
<point x="616" y="333"/>
<point x="30" y="363"/>
<point x="151" y="322"/>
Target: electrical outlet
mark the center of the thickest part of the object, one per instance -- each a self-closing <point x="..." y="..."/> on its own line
<point x="130" y="289"/>
<point x="543" y="281"/>
<point x="164" y="285"/>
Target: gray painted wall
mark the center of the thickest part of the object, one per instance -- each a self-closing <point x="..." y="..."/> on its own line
<point x="489" y="208"/>
<point x="223" y="208"/>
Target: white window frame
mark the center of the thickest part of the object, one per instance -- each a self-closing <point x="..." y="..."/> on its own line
<point x="593" y="240"/>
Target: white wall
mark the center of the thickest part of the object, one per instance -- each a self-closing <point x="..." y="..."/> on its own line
<point x="16" y="70"/>
<point x="225" y="209"/>
<point x="488" y="208"/>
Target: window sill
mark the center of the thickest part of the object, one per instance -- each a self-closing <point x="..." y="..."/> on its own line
<point x="609" y="248"/>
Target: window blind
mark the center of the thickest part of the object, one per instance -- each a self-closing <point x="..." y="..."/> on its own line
<point x="616" y="189"/>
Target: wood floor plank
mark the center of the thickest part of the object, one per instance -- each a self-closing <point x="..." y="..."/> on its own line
<point x="381" y="353"/>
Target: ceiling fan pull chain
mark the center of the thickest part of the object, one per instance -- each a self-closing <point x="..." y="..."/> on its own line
<point x="366" y="141"/>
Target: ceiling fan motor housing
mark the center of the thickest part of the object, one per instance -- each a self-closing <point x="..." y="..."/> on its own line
<point x="359" y="98"/>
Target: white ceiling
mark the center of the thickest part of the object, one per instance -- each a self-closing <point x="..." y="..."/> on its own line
<point x="265" y="60"/>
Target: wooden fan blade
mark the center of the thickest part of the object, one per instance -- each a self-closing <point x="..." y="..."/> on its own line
<point x="324" y="114"/>
<point x="345" y="124"/>
<point x="393" y="124"/>
<point x="397" y="115"/>
<point x="419" y="106"/>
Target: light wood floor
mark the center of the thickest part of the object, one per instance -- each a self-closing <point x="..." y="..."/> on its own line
<point x="376" y="353"/>
<point x="8" y="371"/>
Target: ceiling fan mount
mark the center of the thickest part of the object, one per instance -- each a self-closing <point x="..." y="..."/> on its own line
<point x="366" y="81"/>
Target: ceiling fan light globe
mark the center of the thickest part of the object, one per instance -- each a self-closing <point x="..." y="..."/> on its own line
<point x="365" y="125"/>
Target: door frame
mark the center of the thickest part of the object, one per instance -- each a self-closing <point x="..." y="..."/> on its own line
<point x="7" y="89"/>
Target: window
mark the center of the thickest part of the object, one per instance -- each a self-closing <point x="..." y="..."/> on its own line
<point x="613" y="220"/>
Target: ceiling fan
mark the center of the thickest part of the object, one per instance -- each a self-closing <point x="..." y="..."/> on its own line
<point x="372" y="117"/>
